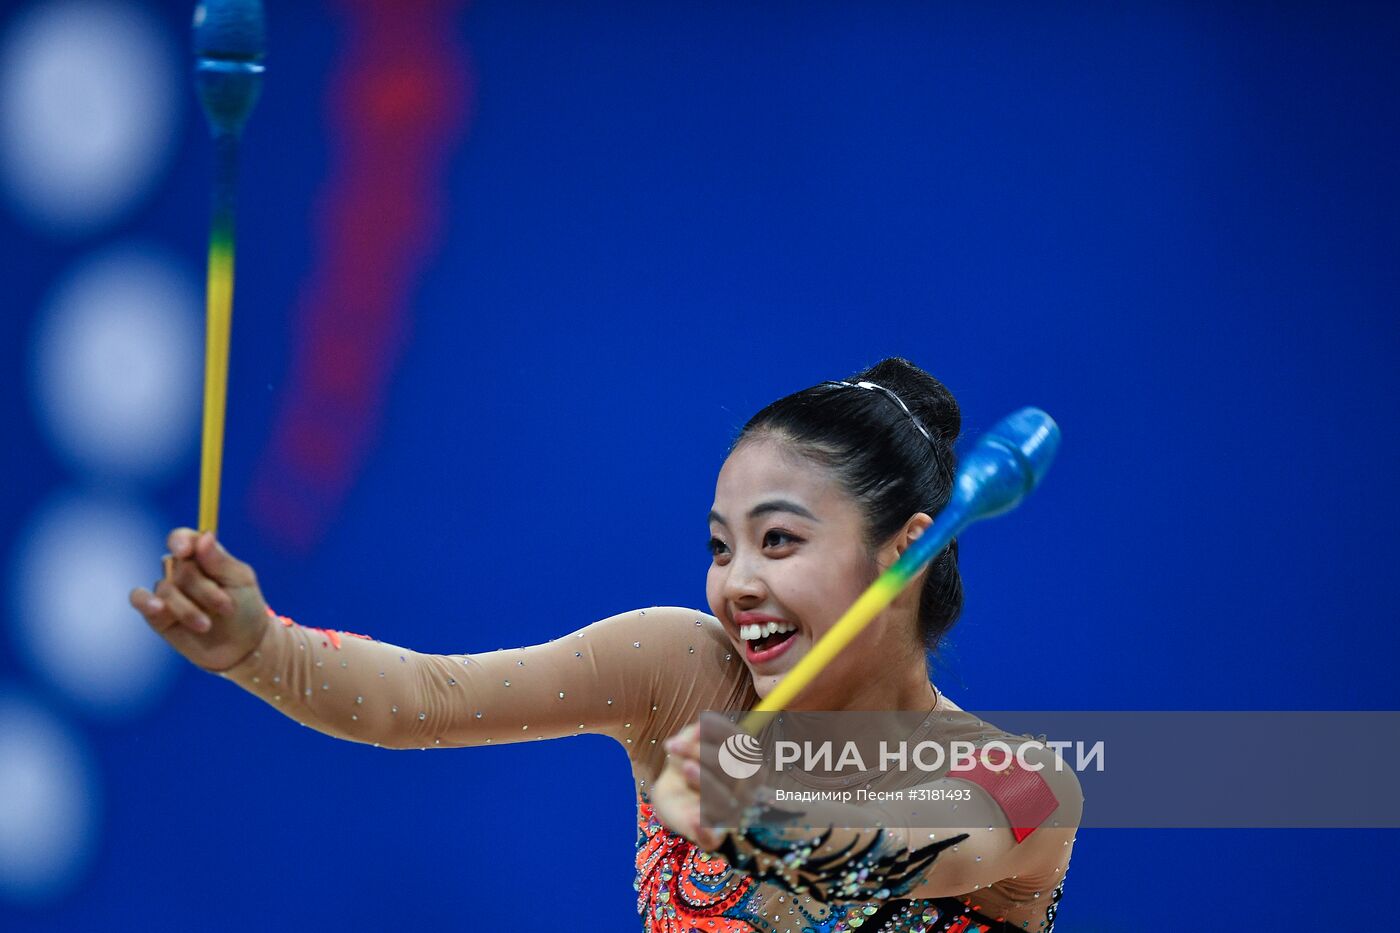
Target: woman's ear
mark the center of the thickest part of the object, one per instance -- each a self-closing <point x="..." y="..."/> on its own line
<point x="899" y="542"/>
<point x="912" y="530"/>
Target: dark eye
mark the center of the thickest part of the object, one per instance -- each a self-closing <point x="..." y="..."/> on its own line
<point x="717" y="547"/>
<point x="776" y="538"/>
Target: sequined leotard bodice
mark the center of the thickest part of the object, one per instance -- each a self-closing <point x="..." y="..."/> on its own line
<point x="638" y="677"/>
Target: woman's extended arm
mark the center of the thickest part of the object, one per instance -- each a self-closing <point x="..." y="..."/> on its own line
<point x="363" y="690"/>
<point x="600" y="679"/>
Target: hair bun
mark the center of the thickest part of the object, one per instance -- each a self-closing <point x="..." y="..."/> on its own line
<point x="926" y="397"/>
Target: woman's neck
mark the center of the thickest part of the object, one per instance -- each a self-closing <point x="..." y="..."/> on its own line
<point x="907" y="689"/>
<point x="898" y="674"/>
<point x="903" y="686"/>
<point x="893" y="671"/>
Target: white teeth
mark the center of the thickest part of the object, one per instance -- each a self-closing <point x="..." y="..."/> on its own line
<point x="759" y="630"/>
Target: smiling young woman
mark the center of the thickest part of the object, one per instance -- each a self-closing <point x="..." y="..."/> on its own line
<point x="820" y="492"/>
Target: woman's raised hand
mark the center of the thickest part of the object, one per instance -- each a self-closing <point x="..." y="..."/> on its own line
<point x="688" y="772"/>
<point x="208" y="607"/>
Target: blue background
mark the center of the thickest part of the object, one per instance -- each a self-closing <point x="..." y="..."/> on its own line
<point x="1173" y="227"/>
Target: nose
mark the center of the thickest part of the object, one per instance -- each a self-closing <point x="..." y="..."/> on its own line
<point x="743" y="584"/>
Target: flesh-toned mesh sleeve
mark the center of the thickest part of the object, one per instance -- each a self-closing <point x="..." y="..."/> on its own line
<point x="600" y="679"/>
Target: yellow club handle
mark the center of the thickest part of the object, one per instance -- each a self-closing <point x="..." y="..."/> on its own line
<point x="870" y="604"/>
<point x="218" y="324"/>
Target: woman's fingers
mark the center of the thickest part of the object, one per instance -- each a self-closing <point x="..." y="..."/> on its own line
<point x="180" y="542"/>
<point x="153" y="608"/>
<point x="718" y="805"/>
<point x="219" y="564"/>
<point x="179" y="605"/>
<point x="702" y="736"/>
<point x="686" y="742"/>
<point x="207" y="595"/>
<point x="677" y="807"/>
<point x="713" y="728"/>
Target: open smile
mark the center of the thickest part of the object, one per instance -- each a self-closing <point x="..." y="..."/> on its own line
<point x="765" y="638"/>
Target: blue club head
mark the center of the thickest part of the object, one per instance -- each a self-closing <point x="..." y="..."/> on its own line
<point x="230" y="30"/>
<point x="230" y="43"/>
<point x="1006" y="464"/>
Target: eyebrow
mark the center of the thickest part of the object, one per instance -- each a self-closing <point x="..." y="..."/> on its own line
<point x="764" y="508"/>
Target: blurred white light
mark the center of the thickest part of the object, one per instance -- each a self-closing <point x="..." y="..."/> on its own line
<point x="117" y="365"/>
<point x="87" y="111"/>
<point x="49" y="803"/>
<point x="74" y="566"/>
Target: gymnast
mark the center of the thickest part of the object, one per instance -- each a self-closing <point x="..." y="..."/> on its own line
<point x="821" y="490"/>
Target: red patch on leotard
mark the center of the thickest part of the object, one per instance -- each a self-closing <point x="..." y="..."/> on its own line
<point x="1023" y="795"/>
<point x="332" y="636"/>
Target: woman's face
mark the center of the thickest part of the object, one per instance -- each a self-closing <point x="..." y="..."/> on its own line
<point x="790" y="554"/>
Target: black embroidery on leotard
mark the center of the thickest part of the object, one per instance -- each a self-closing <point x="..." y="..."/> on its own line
<point x="873" y="868"/>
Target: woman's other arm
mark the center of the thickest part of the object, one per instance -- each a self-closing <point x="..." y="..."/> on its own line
<point x="1020" y="823"/>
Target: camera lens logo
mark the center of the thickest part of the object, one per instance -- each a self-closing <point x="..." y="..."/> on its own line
<point x="740" y="756"/>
